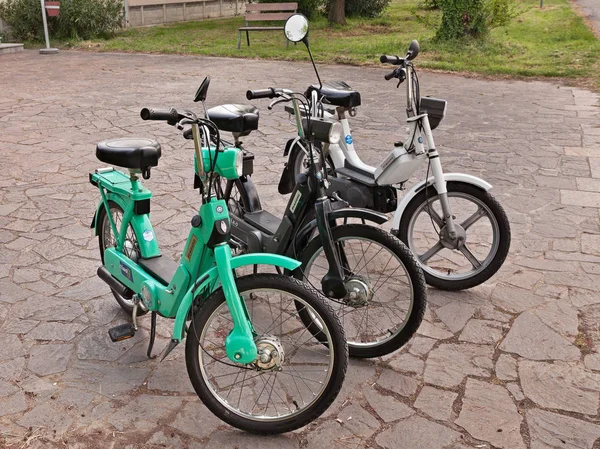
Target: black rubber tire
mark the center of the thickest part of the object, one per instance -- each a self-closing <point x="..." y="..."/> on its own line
<point x="499" y="215"/>
<point x="100" y="220"/>
<point x="320" y="305"/>
<point x="412" y="269"/>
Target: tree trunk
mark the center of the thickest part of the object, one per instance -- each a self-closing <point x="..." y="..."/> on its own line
<point x="337" y="12"/>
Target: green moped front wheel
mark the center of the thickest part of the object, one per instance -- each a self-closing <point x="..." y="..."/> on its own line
<point x="295" y="377"/>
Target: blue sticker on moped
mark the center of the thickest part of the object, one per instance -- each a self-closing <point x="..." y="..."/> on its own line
<point x="348" y="139"/>
<point x="126" y="271"/>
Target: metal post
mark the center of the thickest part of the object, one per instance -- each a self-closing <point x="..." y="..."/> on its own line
<point x="47" y="50"/>
<point x="126" y="6"/>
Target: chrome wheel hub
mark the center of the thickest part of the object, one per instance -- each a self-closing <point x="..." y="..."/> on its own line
<point x="130" y="250"/>
<point x="453" y="243"/>
<point x="270" y="353"/>
<point x="359" y="292"/>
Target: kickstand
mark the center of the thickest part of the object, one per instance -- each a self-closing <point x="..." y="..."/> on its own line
<point x="152" y="335"/>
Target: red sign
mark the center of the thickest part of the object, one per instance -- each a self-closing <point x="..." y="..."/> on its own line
<point x="52" y="8"/>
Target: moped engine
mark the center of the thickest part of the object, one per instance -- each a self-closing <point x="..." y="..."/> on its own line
<point x="381" y="199"/>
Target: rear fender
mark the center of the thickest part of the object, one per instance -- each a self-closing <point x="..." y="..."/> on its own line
<point x="287" y="181"/>
<point x="141" y="225"/>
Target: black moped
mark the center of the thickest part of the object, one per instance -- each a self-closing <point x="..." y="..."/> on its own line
<point x="372" y="279"/>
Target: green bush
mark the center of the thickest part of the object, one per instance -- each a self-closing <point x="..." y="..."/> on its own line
<point x="310" y="8"/>
<point x="365" y="8"/>
<point x="24" y="17"/>
<point x="429" y="4"/>
<point x="84" y="19"/>
<point x="474" y="18"/>
<point x="78" y="19"/>
<point x="361" y="8"/>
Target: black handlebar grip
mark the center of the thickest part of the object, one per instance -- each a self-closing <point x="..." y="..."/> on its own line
<point x="169" y="115"/>
<point x="261" y="93"/>
<point x="390" y="75"/>
<point x="188" y="134"/>
<point x="386" y="59"/>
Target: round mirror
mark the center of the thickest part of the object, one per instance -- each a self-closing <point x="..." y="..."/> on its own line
<point x="296" y="28"/>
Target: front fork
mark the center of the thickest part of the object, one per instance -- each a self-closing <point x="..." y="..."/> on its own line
<point x="333" y="282"/>
<point x="438" y="176"/>
<point x="440" y="187"/>
<point x="239" y="344"/>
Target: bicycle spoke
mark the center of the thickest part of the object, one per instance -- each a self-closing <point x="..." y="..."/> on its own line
<point x="431" y="252"/>
<point x="473" y="218"/>
<point x="470" y="256"/>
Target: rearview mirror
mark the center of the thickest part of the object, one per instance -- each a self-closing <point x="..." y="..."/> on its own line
<point x="296" y="28"/>
<point x="413" y="50"/>
<point x="202" y="90"/>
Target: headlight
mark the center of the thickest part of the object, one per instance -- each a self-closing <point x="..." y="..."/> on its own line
<point x="335" y="133"/>
<point x="323" y="130"/>
<point x="239" y="163"/>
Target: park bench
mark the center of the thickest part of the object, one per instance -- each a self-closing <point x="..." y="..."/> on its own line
<point x="262" y="12"/>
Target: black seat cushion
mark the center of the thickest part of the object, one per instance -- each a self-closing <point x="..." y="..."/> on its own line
<point x="337" y="93"/>
<point x="235" y="118"/>
<point x="129" y="152"/>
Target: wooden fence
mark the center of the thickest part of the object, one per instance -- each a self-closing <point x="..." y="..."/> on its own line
<point x="154" y="12"/>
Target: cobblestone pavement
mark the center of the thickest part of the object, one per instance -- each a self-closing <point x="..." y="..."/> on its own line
<point x="591" y="11"/>
<point x="513" y="363"/>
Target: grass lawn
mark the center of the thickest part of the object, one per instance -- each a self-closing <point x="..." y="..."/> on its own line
<point x="548" y="42"/>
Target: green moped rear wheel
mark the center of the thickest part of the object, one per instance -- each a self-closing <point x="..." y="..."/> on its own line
<point x="106" y="239"/>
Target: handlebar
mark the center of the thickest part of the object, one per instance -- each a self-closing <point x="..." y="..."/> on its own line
<point x="394" y="60"/>
<point x="170" y="115"/>
<point x="390" y="75"/>
<point x="262" y="93"/>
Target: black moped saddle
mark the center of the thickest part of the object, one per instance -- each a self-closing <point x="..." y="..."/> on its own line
<point x="235" y="118"/>
<point x="337" y="93"/>
<point x="129" y="152"/>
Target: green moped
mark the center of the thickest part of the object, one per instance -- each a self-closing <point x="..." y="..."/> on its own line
<point x="249" y="356"/>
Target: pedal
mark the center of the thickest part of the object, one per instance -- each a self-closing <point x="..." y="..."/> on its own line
<point x="121" y="332"/>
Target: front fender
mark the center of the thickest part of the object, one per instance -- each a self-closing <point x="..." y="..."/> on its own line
<point x="459" y="177"/>
<point x="346" y="212"/>
<point x="264" y="259"/>
<point x="202" y="283"/>
<point x="211" y="276"/>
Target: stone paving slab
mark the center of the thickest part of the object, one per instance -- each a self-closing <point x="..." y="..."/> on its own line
<point x="512" y="363"/>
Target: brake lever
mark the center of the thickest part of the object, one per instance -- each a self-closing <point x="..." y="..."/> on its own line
<point x="284" y="98"/>
<point x="185" y="121"/>
<point x="401" y="77"/>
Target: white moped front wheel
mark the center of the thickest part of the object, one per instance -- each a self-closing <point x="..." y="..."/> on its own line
<point x="476" y="252"/>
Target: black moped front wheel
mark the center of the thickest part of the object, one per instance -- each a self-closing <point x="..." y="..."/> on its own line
<point x="386" y="296"/>
<point x="482" y="229"/>
<point x="295" y="376"/>
<point x="106" y="239"/>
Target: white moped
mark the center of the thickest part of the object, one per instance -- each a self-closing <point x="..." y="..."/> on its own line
<point x="458" y="231"/>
